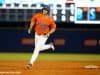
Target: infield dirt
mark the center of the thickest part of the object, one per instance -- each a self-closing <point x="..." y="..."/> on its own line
<point x="49" y="68"/>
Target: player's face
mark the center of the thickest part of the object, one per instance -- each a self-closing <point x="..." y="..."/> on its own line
<point x="45" y="12"/>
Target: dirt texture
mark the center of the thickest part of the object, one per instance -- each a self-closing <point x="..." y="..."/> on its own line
<point x="49" y="68"/>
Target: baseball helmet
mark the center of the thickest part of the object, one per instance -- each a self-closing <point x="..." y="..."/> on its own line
<point x="46" y="8"/>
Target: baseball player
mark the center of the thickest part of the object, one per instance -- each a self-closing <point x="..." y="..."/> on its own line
<point x="44" y="26"/>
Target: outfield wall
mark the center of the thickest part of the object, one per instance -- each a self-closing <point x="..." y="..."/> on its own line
<point x="65" y="40"/>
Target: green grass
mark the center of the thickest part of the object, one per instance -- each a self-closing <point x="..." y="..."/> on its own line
<point x="51" y="56"/>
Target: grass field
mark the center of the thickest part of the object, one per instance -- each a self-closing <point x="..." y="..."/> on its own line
<point x="49" y="64"/>
<point x="51" y="56"/>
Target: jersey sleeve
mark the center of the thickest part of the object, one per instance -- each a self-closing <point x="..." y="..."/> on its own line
<point x="53" y="24"/>
<point x="34" y="18"/>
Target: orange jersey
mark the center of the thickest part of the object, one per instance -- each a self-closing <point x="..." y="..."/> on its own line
<point x="43" y="24"/>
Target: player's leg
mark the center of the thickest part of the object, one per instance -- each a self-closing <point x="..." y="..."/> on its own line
<point x="35" y="53"/>
<point x="34" y="56"/>
<point x="48" y="46"/>
<point x="36" y="49"/>
<point x="44" y="46"/>
<point x="39" y="45"/>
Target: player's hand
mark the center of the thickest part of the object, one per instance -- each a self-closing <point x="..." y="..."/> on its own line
<point x="29" y="31"/>
<point x="47" y="35"/>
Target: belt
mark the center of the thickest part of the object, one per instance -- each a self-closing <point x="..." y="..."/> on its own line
<point x="42" y="34"/>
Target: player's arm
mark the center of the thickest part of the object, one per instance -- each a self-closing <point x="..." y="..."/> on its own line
<point x="31" y="26"/>
<point x="52" y="31"/>
<point x="53" y="27"/>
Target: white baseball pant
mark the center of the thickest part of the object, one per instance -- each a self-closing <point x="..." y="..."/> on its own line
<point x="40" y="45"/>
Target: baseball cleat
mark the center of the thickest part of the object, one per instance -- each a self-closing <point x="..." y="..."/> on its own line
<point x="52" y="47"/>
<point x="28" y="66"/>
